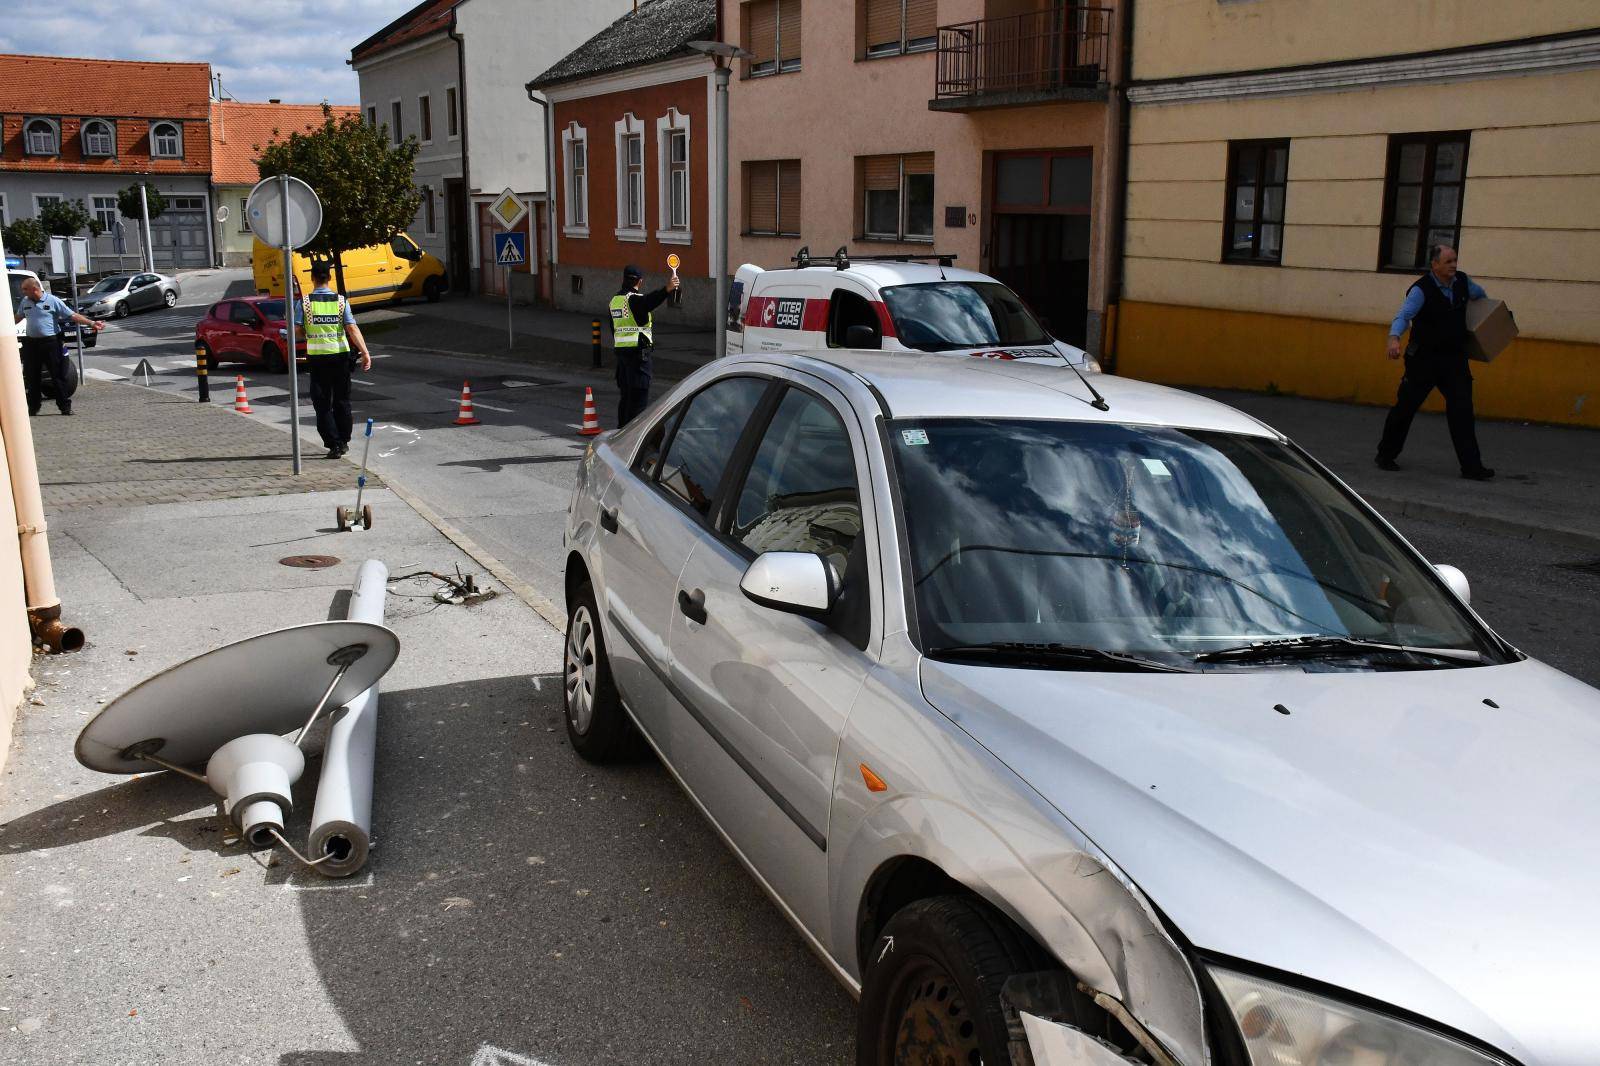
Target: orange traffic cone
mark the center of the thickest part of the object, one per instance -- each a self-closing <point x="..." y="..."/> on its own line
<point x="241" y="402"/>
<point x="591" y="419"/>
<point x="466" y="417"/>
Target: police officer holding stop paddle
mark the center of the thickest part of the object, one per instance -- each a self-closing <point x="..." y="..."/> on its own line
<point x="633" y="336"/>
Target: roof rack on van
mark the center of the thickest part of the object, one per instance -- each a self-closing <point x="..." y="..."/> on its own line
<point x="840" y="260"/>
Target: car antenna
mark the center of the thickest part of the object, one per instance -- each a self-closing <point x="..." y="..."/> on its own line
<point x="1099" y="403"/>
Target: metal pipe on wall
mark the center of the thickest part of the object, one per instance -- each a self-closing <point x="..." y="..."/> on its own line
<point x="38" y="576"/>
<point x="341" y="820"/>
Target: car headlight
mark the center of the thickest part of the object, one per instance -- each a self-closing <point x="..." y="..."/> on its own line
<point x="1284" y="1026"/>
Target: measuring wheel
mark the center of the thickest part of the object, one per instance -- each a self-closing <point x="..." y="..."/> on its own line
<point x="340" y="519"/>
<point x="366" y="516"/>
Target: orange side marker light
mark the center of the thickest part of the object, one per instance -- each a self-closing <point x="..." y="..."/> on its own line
<point x="874" y="782"/>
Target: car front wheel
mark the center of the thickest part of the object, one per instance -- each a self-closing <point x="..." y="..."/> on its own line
<point x="932" y="987"/>
<point x="171" y="298"/>
<point x="273" y="359"/>
<point x="121" y="310"/>
<point x="597" y="725"/>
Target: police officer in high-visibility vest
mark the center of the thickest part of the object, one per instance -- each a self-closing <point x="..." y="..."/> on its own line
<point x="331" y="332"/>
<point x="632" y="332"/>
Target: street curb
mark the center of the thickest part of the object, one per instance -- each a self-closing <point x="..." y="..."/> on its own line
<point x="1390" y="506"/>
<point x="502" y="573"/>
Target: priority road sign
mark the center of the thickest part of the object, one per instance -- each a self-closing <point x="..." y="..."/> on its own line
<point x="511" y="249"/>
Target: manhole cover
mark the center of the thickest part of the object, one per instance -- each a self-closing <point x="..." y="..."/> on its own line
<point x="310" y="562"/>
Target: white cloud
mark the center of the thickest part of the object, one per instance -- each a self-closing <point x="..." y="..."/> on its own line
<point x="263" y="49"/>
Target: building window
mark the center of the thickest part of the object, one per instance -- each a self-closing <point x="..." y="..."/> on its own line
<point x="575" y="150"/>
<point x="166" y="140"/>
<point x="99" y="139"/>
<point x="430" y="223"/>
<point x="244" y="214"/>
<point x="772" y="33"/>
<point x="40" y="136"/>
<point x="186" y="203"/>
<point x="105" y="212"/>
<point x="772" y="198"/>
<point x="1258" y="178"/>
<point x="630" y="178"/>
<point x="672" y="177"/>
<point x="896" y="197"/>
<point x="895" y="27"/>
<point x="40" y="199"/>
<point x="425" y="119"/>
<point x="5" y="216"/>
<point x="372" y="116"/>
<point x="1422" y="196"/>
<point x="395" y="134"/>
<point x="678" y="180"/>
<point x="452" y="118"/>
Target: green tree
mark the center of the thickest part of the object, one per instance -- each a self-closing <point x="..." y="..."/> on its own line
<point x="128" y="201"/>
<point x="64" y="218"/>
<point x="366" y="184"/>
<point x="26" y="237"/>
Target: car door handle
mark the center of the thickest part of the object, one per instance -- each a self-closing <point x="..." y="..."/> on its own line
<point x="693" y="605"/>
<point x="608" y="519"/>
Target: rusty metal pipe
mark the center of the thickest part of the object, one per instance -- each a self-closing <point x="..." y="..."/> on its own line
<point x="52" y="632"/>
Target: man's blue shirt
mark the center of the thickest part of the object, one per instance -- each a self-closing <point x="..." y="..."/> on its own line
<point x="41" y="314"/>
<point x="1414" y="300"/>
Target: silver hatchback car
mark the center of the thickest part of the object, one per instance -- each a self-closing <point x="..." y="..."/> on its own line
<point x="1087" y="727"/>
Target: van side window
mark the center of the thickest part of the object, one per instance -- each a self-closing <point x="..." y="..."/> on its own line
<point x="848" y="309"/>
<point x="403" y="248"/>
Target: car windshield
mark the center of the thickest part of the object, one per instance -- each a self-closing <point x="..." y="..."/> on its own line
<point x="271" y="308"/>
<point x="1161" y="543"/>
<point x="945" y="315"/>
<point x="111" y="284"/>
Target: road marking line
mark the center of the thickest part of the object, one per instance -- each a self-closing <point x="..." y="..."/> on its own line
<point x="489" y="1055"/>
<point x="491" y="407"/>
<point x="102" y="375"/>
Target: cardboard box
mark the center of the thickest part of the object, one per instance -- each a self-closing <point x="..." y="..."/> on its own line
<point x="1490" y="328"/>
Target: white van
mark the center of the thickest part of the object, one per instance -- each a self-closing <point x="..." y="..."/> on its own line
<point x="901" y="303"/>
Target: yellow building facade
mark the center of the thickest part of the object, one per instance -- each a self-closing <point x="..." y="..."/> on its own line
<point x="1290" y="162"/>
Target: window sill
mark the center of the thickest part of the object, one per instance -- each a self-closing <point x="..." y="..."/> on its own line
<point x="1240" y="260"/>
<point x="635" y="235"/>
<point x="674" y="236"/>
<point x="575" y="231"/>
<point x="769" y="234"/>
<point x="873" y="238"/>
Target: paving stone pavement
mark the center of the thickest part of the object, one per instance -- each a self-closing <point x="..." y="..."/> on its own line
<point x="129" y="445"/>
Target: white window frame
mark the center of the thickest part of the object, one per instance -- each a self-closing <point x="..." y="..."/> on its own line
<point x="903" y="205"/>
<point x="575" y="209"/>
<point x="396" y="122"/>
<point x="674" y="121"/>
<point x="244" y="216"/>
<point x="905" y="46"/>
<point x="425" y="118"/>
<point x="107" y="204"/>
<point x="430" y="216"/>
<point x="27" y="136"/>
<point x="630" y="125"/>
<point x="111" y="131"/>
<point x="155" y="140"/>
<point x="372" y="115"/>
<point x="452" y="110"/>
<point x="42" y="198"/>
<point x="5" y="216"/>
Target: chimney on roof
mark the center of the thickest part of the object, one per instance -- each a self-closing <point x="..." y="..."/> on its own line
<point x="274" y="100"/>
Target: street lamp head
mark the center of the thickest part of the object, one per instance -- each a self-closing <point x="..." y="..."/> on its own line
<point x="720" y="50"/>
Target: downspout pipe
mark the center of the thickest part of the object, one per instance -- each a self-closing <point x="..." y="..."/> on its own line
<point x="549" y="187"/>
<point x="38" y="577"/>
<point x="1117" y="230"/>
<point x="466" y="148"/>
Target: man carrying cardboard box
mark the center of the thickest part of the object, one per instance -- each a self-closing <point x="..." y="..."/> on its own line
<point x="1435" y="310"/>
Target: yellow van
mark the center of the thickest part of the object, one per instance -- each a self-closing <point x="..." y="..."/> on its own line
<point x="373" y="275"/>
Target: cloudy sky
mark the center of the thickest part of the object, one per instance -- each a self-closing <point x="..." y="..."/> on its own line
<point x="262" y="48"/>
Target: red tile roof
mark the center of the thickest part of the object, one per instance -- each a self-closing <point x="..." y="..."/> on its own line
<point x="113" y="88"/>
<point x="430" y="16"/>
<point x="238" y="130"/>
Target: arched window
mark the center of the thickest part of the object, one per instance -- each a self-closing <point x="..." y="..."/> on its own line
<point x="40" y="136"/>
<point x="166" y="140"/>
<point x="98" y="138"/>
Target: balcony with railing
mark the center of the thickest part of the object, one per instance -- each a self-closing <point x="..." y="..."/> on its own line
<point x="1057" y="54"/>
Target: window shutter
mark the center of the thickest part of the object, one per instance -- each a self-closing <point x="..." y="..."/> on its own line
<point x="883" y="22"/>
<point x="789" y="29"/>
<point x="761" y="196"/>
<point x="922" y="19"/>
<point x="789" y="196"/>
<point x="921" y="163"/>
<point x="881" y="171"/>
<point x="764" y="31"/>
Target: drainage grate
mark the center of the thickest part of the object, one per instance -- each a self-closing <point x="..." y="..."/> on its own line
<point x="1588" y="566"/>
<point x="310" y="562"/>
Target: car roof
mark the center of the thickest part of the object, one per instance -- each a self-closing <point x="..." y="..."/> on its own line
<point x="918" y="385"/>
<point x="876" y="275"/>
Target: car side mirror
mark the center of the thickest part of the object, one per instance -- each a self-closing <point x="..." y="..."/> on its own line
<point x="796" y="582"/>
<point x="1456" y="580"/>
<point x="862" y="337"/>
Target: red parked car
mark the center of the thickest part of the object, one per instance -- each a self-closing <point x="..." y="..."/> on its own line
<point x="247" y="330"/>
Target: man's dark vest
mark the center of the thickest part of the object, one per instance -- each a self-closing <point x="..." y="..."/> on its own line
<point x="1440" y="329"/>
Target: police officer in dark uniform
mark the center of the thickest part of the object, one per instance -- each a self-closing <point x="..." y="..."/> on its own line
<point x="1435" y="309"/>
<point x="632" y="332"/>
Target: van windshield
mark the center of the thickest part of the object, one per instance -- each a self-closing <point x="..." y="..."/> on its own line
<point x="944" y="315"/>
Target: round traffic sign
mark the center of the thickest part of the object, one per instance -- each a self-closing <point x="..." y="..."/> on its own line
<point x="673" y="261"/>
<point x="264" y="212"/>
<point x="222" y="214"/>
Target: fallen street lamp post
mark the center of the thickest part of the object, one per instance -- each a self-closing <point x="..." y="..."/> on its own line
<point x="723" y="54"/>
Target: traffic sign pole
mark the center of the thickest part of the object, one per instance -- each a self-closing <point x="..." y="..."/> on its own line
<point x="288" y="322"/>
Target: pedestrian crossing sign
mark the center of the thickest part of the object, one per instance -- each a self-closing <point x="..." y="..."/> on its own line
<point x="511" y="249"/>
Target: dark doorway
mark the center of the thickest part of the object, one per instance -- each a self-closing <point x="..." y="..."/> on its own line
<point x="455" y="207"/>
<point x="1039" y="243"/>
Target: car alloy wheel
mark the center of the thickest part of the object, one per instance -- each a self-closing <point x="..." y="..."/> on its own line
<point x="580" y="673"/>
<point x="171" y="298"/>
<point x="121" y="310"/>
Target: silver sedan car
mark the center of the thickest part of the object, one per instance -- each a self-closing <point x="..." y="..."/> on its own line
<point x="120" y="295"/>
<point x="1087" y="725"/>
